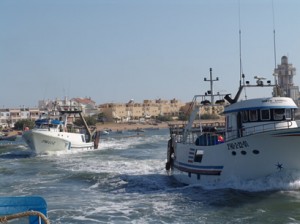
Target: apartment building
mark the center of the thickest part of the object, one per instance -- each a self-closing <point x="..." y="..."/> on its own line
<point x="204" y="109"/>
<point x="117" y="112"/>
<point x="87" y="104"/>
<point x="8" y="117"/>
<point x="138" y="111"/>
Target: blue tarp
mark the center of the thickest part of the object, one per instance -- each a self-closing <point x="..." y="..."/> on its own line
<point x="46" y="121"/>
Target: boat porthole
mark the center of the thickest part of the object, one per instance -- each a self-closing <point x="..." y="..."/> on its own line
<point x="243" y="152"/>
<point x="233" y="153"/>
<point x="255" y="151"/>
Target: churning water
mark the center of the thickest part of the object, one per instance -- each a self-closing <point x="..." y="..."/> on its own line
<point x="125" y="182"/>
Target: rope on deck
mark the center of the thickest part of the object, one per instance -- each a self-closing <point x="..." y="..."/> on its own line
<point x="5" y="219"/>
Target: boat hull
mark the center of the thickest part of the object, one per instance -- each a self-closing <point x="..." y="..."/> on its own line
<point x="245" y="158"/>
<point x="45" y="142"/>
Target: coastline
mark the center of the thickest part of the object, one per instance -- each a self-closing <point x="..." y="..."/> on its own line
<point x="129" y="126"/>
<point x="135" y="126"/>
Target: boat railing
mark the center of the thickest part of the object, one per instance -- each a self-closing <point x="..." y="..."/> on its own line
<point x="203" y="139"/>
<point x="231" y="134"/>
<point x="246" y="131"/>
<point x="177" y="129"/>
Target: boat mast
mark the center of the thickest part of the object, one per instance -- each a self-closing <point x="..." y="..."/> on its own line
<point x="211" y="91"/>
<point x="195" y="105"/>
<point x="276" y="89"/>
<point x="240" y="43"/>
<point x="86" y="126"/>
<point x="242" y="76"/>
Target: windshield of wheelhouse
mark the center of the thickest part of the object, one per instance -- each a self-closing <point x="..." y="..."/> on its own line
<point x="264" y="115"/>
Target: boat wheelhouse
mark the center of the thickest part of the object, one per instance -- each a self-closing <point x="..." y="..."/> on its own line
<point x="258" y="115"/>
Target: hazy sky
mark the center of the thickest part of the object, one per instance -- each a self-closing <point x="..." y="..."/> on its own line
<point x="117" y="50"/>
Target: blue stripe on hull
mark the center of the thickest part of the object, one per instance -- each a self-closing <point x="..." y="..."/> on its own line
<point x="204" y="170"/>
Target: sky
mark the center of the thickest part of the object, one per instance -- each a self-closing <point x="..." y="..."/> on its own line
<point x="117" y="50"/>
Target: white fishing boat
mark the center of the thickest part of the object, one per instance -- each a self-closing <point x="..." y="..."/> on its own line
<point x="52" y="134"/>
<point x="261" y="138"/>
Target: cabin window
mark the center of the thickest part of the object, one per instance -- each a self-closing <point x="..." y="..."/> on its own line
<point x="288" y="114"/>
<point x="253" y="115"/>
<point x="278" y="114"/>
<point x="198" y="156"/>
<point x="44" y="126"/>
<point x="265" y="115"/>
<point x="228" y="123"/>
<point x="245" y="116"/>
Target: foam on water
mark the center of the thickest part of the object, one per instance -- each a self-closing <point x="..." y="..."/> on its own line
<point x="130" y="142"/>
<point x="283" y="180"/>
<point x="125" y="182"/>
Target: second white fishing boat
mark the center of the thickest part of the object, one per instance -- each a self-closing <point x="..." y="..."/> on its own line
<point x="53" y="135"/>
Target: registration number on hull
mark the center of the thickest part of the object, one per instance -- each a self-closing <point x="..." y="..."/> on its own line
<point x="237" y="145"/>
<point x="48" y="142"/>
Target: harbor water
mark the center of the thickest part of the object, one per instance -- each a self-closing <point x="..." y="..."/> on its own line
<point x="125" y="181"/>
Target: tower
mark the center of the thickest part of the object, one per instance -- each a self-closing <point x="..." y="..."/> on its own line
<point x="285" y="73"/>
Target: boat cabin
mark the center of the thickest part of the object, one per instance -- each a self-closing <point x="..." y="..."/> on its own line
<point x="259" y="115"/>
<point x="54" y="125"/>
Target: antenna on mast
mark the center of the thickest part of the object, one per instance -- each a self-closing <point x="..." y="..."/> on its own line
<point x="274" y="36"/>
<point x="242" y="76"/>
<point x="240" y="44"/>
<point x="276" y="90"/>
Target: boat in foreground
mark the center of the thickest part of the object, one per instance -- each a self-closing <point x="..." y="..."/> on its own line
<point x="23" y="209"/>
<point x="261" y="138"/>
<point x="53" y="134"/>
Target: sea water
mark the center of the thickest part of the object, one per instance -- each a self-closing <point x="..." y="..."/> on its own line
<point x="125" y="181"/>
